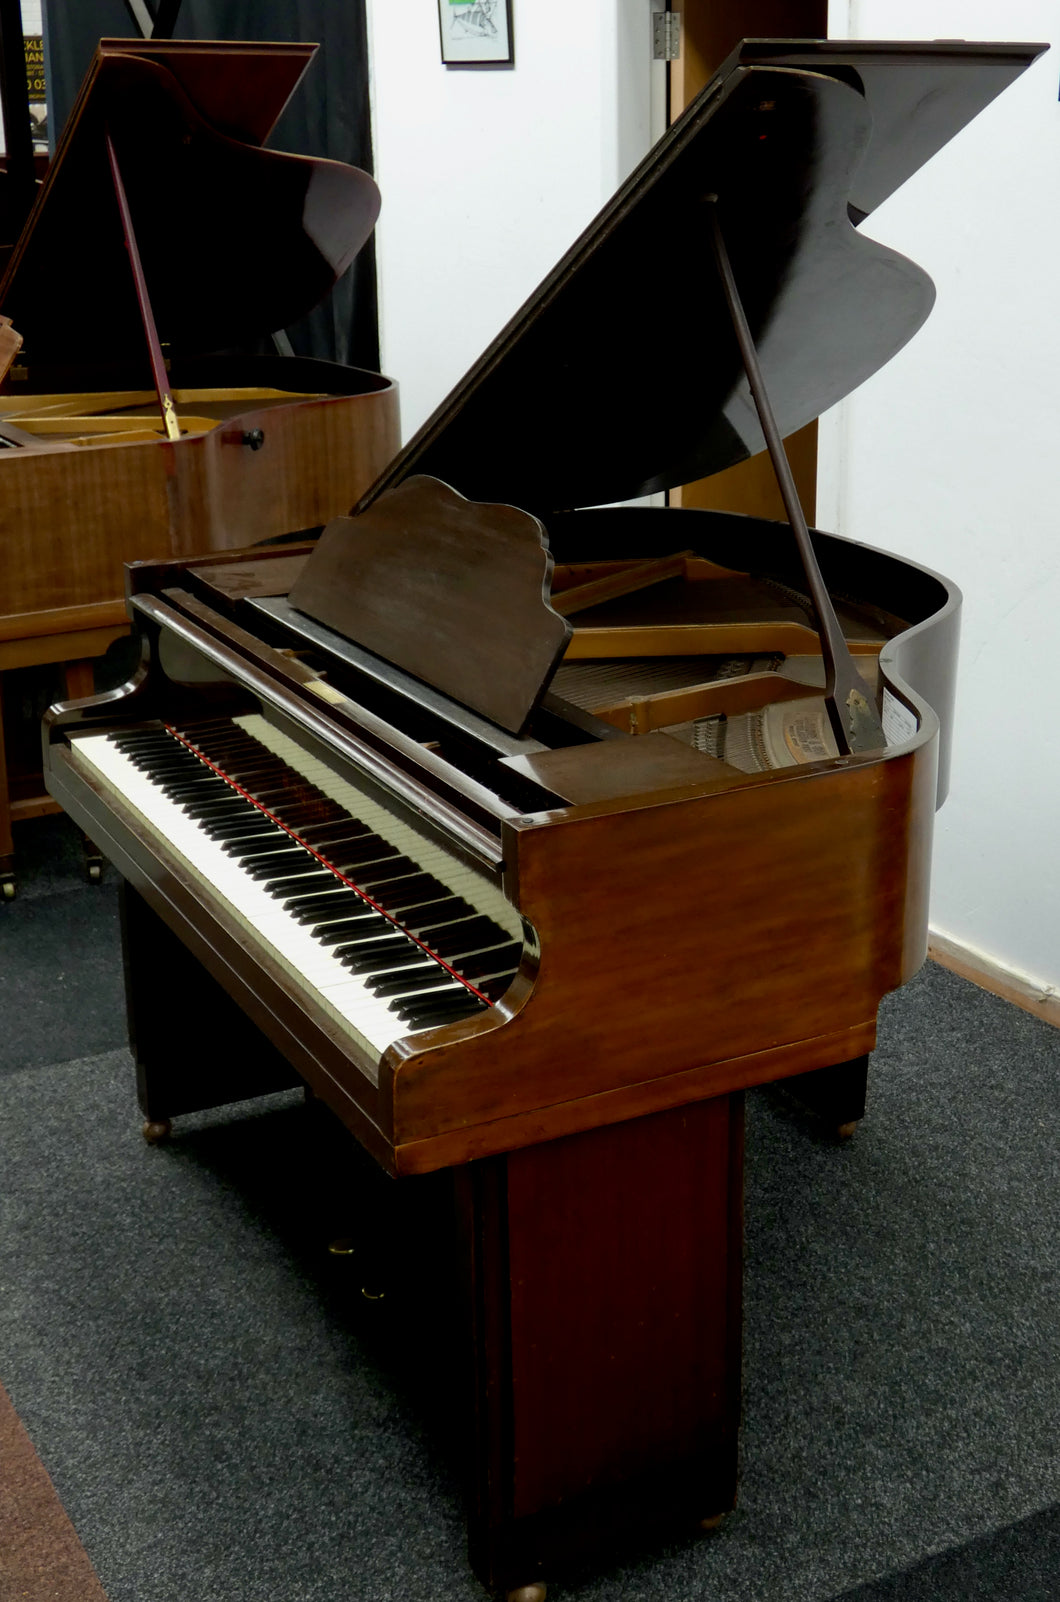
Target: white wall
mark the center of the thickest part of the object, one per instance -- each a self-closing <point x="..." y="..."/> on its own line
<point x="951" y="455"/>
<point x="488" y="175"/>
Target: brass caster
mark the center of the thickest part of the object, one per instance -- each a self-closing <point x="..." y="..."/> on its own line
<point x="714" y="1522"/>
<point x="844" y="1131"/>
<point x="156" y="1130"/>
<point x="9" y="889"/>
<point x="345" y="1246"/>
<point x="95" y="872"/>
<point x="528" y="1593"/>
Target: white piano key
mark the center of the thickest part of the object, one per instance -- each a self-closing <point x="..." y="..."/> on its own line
<point x="462" y="880"/>
<point x="373" y="1021"/>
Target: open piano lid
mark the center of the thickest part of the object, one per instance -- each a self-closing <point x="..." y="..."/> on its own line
<point x="621" y="374"/>
<point x="236" y="241"/>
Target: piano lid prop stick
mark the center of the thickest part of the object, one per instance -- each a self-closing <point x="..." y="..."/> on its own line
<point x="154" y="349"/>
<point x="851" y="710"/>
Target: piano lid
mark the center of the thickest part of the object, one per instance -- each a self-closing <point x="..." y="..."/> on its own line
<point x="236" y="241"/>
<point x="621" y="374"/>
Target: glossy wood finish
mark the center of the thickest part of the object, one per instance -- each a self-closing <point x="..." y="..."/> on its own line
<point x="417" y="579"/>
<point x="268" y="447"/>
<point x="682" y="941"/>
<point x="763" y="890"/>
<point x="195" y="172"/>
<point x="710" y="30"/>
<point x="605" y="1298"/>
<point x="788" y="134"/>
<point x="682" y="944"/>
<point x="70" y="520"/>
<point x="609" y="769"/>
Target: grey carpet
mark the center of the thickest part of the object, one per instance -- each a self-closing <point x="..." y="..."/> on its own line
<point x="1021" y="1562"/>
<point x="226" y="1418"/>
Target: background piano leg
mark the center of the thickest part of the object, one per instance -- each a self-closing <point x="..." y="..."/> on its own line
<point x="193" y="1046"/>
<point x="604" y="1285"/>
<point x="7" y="842"/>
<point x="836" y="1095"/>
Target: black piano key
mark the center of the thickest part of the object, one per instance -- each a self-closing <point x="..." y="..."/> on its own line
<point x="214" y="803"/>
<point x="500" y="959"/>
<point x="370" y="957"/>
<point x="361" y="854"/>
<point x="187" y="789"/>
<point x="358" y="925"/>
<point x="495" y="986"/>
<point x="402" y="895"/>
<point x="419" y="988"/>
<point x="468" y="935"/>
<point x="259" y="840"/>
<point x="343" y="831"/>
<point x="316" y="877"/>
<point x="385" y="872"/>
<point x="444" y="998"/>
<point x="168" y="766"/>
<point x="388" y="873"/>
<point x="130" y="739"/>
<point x="254" y="824"/>
<point x="445" y="908"/>
<point x="259" y="848"/>
<point x="408" y="980"/>
<point x="427" y="1013"/>
<point x="291" y="856"/>
<point x="323" y="906"/>
<point x="213" y="800"/>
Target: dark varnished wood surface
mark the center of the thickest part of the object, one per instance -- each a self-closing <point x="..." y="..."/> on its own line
<point x="685" y="943"/>
<point x="451" y="590"/>
<point x="70" y="520"/>
<point x="604" y="1277"/>
<point x="208" y="207"/>
<point x="583" y="366"/>
<point x="772" y="930"/>
<point x="611" y="769"/>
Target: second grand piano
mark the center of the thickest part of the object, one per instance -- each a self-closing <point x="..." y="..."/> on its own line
<point x="528" y="837"/>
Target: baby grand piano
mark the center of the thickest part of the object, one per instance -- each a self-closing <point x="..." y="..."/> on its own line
<point x="527" y="837"/>
<point x="166" y="239"/>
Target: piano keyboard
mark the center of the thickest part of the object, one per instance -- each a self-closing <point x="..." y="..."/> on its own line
<point x="390" y="932"/>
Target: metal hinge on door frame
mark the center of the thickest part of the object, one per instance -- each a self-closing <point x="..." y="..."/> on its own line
<point x="665" y="35"/>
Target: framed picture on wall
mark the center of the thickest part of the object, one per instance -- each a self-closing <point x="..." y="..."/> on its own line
<point x="476" y="32"/>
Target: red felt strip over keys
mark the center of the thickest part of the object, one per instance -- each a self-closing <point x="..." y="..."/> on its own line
<point x="349" y="883"/>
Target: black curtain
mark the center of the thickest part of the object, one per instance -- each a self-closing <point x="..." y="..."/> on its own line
<point x="328" y="116"/>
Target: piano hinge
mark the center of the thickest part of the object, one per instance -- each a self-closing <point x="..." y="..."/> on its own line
<point x="665" y="35"/>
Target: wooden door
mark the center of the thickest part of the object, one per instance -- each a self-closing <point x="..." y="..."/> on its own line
<point x="709" y="31"/>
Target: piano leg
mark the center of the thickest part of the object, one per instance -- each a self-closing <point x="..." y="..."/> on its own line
<point x="604" y="1283"/>
<point x="193" y="1046"/>
<point x="836" y="1095"/>
<point x="7" y="842"/>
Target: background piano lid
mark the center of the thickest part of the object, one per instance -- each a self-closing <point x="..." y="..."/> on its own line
<point x="587" y="398"/>
<point x="236" y="241"/>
